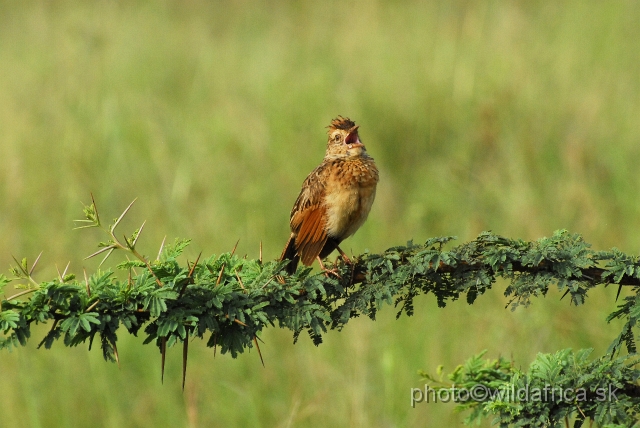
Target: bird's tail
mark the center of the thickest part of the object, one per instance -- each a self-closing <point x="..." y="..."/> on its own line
<point x="290" y="253"/>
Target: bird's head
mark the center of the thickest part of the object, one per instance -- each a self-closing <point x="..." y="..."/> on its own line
<point x="343" y="139"/>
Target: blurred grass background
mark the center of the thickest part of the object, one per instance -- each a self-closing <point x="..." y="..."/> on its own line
<point x="519" y="117"/>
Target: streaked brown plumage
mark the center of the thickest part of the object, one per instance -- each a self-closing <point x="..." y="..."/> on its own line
<point x="335" y="199"/>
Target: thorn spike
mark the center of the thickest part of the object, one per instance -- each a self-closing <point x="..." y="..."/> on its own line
<point x="19" y="264"/>
<point x="185" y="353"/>
<point x="106" y="257"/>
<point x="101" y="250"/>
<point x="86" y="281"/>
<point x="115" y="224"/>
<point x="115" y="353"/>
<point x="35" y="263"/>
<point x="267" y="283"/>
<point x="220" y="275"/>
<point x="235" y="247"/>
<point x="163" y="351"/>
<point x="255" y="340"/>
<point x="215" y="344"/>
<point x="161" y="247"/>
<point x="194" y="265"/>
<point x="240" y="281"/>
<point x="66" y="269"/>
<point x="139" y="233"/>
<point x="239" y="322"/>
<point x="95" y="208"/>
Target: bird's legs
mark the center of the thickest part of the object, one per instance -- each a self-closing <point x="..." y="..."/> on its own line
<point x="328" y="271"/>
<point x="346" y="259"/>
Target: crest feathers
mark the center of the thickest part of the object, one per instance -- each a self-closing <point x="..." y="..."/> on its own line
<point x="341" y="123"/>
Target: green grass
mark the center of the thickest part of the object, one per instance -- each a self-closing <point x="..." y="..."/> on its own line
<point x="518" y="117"/>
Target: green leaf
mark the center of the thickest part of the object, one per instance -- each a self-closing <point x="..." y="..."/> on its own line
<point x="8" y="320"/>
<point x="3" y="281"/>
<point x="87" y="319"/>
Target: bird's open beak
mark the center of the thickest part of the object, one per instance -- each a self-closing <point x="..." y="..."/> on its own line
<point x="352" y="139"/>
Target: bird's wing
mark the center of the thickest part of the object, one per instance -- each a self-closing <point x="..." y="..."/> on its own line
<point x="308" y="216"/>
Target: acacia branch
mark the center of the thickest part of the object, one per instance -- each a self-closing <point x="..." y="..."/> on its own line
<point x="228" y="294"/>
<point x="232" y="299"/>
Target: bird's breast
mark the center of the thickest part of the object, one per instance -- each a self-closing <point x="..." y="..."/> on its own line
<point x="349" y="197"/>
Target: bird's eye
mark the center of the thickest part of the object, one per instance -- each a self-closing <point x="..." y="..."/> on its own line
<point x="336" y="138"/>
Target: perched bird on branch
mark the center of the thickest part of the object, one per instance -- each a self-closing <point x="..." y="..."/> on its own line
<point x="335" y="199"/>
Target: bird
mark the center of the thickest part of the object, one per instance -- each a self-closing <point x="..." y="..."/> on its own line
<point x="334" y="201"/>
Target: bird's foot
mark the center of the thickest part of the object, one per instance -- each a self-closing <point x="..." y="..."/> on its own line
<point x="328" y="271"/>
<point x="332" y="272"/>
